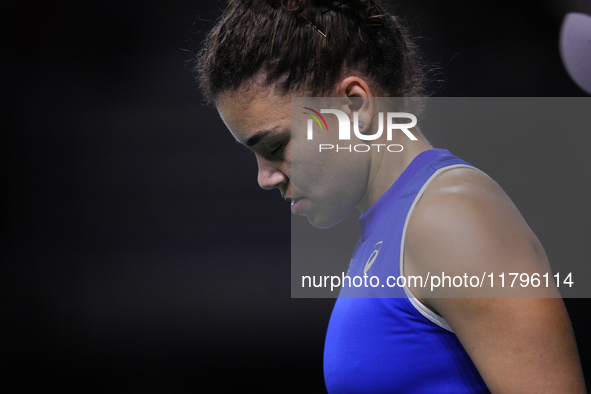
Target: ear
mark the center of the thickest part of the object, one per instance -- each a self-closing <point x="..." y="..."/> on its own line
<point x="358" y="95"/>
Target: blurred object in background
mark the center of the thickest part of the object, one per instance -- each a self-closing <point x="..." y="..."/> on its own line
<point x="575" y="48"/>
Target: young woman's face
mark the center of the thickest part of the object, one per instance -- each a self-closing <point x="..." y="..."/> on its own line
<point x="325" y="187"/>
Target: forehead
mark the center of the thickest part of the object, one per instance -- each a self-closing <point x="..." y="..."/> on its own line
<point x="248" y="111"/>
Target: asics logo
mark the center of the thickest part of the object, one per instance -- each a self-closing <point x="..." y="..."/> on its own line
<point x="372" y="257"/>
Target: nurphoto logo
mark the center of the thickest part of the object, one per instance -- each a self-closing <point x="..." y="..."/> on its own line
<point x="345" y="129"/>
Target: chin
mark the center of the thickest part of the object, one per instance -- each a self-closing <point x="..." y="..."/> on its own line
<point x="326" y="219"/>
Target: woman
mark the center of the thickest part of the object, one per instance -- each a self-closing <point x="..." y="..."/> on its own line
<point x="423" y="209"/>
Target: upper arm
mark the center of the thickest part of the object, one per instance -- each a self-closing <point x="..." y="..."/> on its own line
<point x="465" y="224"/>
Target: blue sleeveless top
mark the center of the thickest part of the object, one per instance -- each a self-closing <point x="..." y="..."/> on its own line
<point x="395" y="344"/>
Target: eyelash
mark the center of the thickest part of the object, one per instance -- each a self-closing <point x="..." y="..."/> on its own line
<point x="280" y="147"/>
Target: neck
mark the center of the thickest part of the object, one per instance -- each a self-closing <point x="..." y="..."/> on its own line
<point x="386" y="167"/>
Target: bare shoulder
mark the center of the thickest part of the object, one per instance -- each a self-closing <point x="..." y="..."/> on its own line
<point x="465" y="223"/>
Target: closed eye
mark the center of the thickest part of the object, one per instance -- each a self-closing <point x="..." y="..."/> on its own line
<point x="277" y="150"/>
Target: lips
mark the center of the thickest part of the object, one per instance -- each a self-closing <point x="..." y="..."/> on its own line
<point x="297" y="205"/>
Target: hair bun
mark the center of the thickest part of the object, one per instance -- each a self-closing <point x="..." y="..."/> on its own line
<point x="295" y="6"/>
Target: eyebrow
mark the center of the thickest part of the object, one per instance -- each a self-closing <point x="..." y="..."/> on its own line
<point x="259" y="135"/>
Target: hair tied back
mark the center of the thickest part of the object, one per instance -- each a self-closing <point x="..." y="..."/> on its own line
<point x="294" y="6"/>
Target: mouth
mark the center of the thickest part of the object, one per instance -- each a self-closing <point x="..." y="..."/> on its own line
<point x="297" y="205"/>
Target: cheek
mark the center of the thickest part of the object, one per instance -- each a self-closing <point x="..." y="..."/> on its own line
<point x="338" y="179"/>
<point x="323" y="172"/>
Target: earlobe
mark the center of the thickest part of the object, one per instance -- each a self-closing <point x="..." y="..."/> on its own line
<point x="358" y="125"/>
<point x="362" y="115"/>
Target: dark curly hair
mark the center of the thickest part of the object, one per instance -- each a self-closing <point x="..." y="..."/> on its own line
<point x="307" y="45"/>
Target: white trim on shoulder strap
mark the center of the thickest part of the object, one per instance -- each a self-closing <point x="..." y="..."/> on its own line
<point x="423" y="310"/>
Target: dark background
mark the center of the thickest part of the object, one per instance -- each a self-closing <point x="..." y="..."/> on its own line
<point x="140" y="254"/>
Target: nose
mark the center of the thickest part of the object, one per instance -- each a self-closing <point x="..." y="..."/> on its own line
<point x="270" y="173"/>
